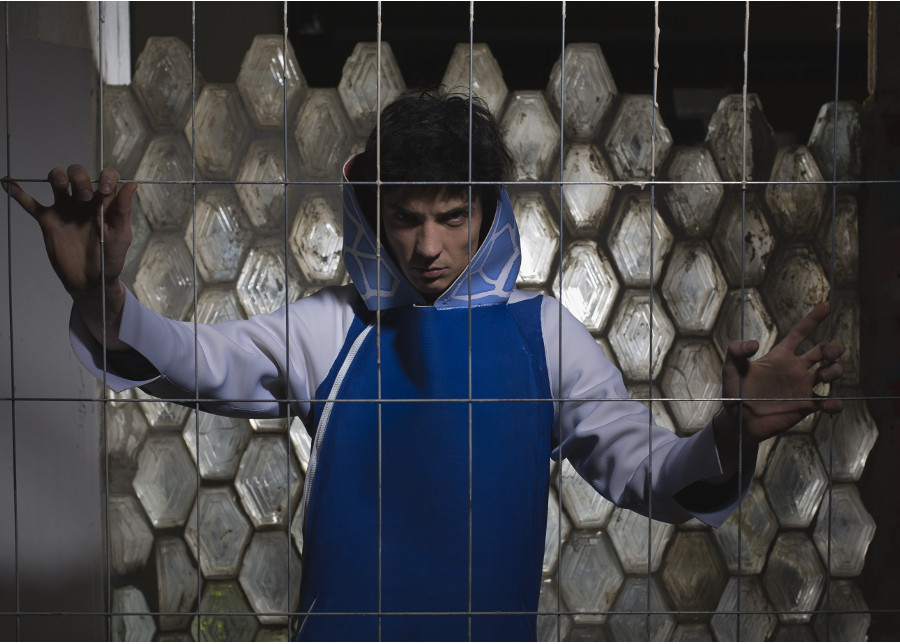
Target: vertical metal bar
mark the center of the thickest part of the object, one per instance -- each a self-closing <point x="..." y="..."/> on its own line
<point x="469" y="325"/>
<point x="378" y="297"/>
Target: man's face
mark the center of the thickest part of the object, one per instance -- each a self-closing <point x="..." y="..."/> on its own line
<point x="429" y="233"/>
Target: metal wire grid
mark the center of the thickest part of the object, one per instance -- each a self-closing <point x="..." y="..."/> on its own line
<point x="654" y="182"/>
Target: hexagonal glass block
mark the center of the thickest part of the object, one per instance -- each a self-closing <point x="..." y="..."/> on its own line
<point x="847" y="152"/>
<point x="130" y="536"/>
<point x="693" y="572"/>
<point x="752" y="317"/>
<point x="125" y="129"/>
<point x="586" y="506"/>
<point x="640" y="391"/>
<point x="274" y="634"/>
<point x="845" y="445"/>
<point x="754" y="622"/>
<point x="487" y="77"/>
<point x="694" y="287"/>
<point x="324" y="134"/>
<point x="177" y="583"/>
<point x="531" y="133"/>
<point x="630" y="241"/>
<point x="317" y="238"/>
<point x="163" y="81"/>
<point x="301" y="442"/>
<point x="845" y="254"/>
<point x="753" y="535"/>
<point x="165" y="481"/>
<point x="742" y="228"/>
<point x="140" y="234"/>
<point x="552" y="624"/>
<point x="268" y="482"/>
<point x="224" y="614"/>
<point x="262" y="286"/>
<point x="589" y="89"/>
<point x="586" y="202"/>
<point x="692" y="633"/>
<point x="796" y="204"/>
<point x="297" y="527"/>
<point x="632" y="335"/>
<point x="588" y="287"/>
<point x="796" y="284"/>
<point x="263" y="192"/>
<point x="269" y="425"/>
<point x="126" y="427"/>
<point x="131" y="619"/>
<point x="161" y="415"/>
<point x="558" y="528"/>
<point x="222" y="234"/>
<point x="692" y="377"/>
<point x="270" y="576"/>
<point x="222" y="441"/>
<point x="270" y="78"/>
<point x="795" y="480"/>
<point x="539" y="237"/>
<point x="589" y="577"/>
<point x="794" y="633"/>
<point x="844" y="522"/>
<point x="632" y="621"/>
<point x="166" y="205"/>
<point x="224" y="532"/>
<point x="632" y="137"/>
<point x="358" y="84"/>
<point x="218" y="305"/>
<point x="694" y="203"/>
<point x="632" y="534"/>
<point x="165" y="279"/>
<point x="222" y="128"/>
<point x="849" y="618"/>
<point x="725" y="138"/>
<point x="794" y="577"/>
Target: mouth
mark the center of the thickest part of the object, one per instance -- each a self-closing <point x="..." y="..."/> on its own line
<point x="430" y="273"/>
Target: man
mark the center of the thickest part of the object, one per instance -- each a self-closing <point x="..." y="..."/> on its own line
<point x="434" y="390"/>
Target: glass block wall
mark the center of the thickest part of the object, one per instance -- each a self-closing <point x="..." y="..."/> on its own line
<point x="657" y="247"/>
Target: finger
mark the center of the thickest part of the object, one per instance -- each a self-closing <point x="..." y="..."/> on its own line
<point x="80" y="179"/>
<point x="59" y="184"/>
<point x="806" y="326"/>
<point x="28" y="203"/>
<point x="829" y="373"/>
<point x="738" y="353"/>
<point x="109" y="179"/>
<point x="119" y="207"/>
<point x="829" y="405"/>
<point x="825" y="352"/>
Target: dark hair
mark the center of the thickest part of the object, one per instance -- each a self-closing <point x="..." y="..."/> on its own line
<point x="425" y="137"/>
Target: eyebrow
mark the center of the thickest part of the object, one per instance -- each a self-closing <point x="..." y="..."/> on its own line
<point x="463" y="209"/>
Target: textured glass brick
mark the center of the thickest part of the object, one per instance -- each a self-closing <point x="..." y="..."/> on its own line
<point x="269" y="425"/>
<point x="558" y="528"/>
<point x="301" y="442"/>
<point x="140" y="234"/>
<point x="161" y="415"/>
<point x="358" y="85"/>
<point x="754" y="623"/>
<point x="487" y="77"/>
<point x="531" y="133"/>
<point x="640" y="391"/>
<point x="630" y="534"/>
<point x="589" y="577"/>
<point x="165" y="279"/>
<point x="693" y="287"/>
<point x="631" y="334"/>
<point x="845" y="327"/>
<point x="262" y="284"/>
<point x="270" y="78"/>
<point x="693" y="572"/>
<point x="270" y="576"/>
<point x="849" y="618"/>
<point x="794" y="633"/>
<point x="692" y="377"/>
<point x="795" y="480"/>
<point x="268" y="482"/>
<point x="126" y="427"/>
<point x="848" y="150"/>
<point x="324" y="134"/>
<point x="725" y="138"/>
<point x="794" y="577"/>
<point x="166" y="481"/>
<point x="275" y="634"/>
<point x="843" y="535"/>
<point x="222" y="234"/>
<point x="796" y="284"/>
<point x="692" y="633"/>
<point x="177" y="582"/>
<point x="163" y="81"/>
<point x="630" y="241"/>
<point x="166" y="205"/>
<point x="589" y="89"/>
<point x="845" y="440"/>
<point x="263" y="177"/>
<point x="297" y="527"/>
<point x="636" y="150"/>
<point x="586" y="507"/>
<point x="756" y="322"/>
<point x="742" y="228"/>
<point x="222" y="130"/>
<point x="317" y="238"/>
<point x="125" y="129"/>
<point x="796" y="203"/>
<point x="131" y="620"/>
<point x="552" y="624"/>
<point x="222" y="441"/>
<point x="753" y="535"/>
<point x="586" y="202"/>
<point x="694" y="204"/>
<point x="588" y="287"/>
<point x="130" y="536"/>
<point x="631" y="620"/>
<point x="217" y="305"/>
<point x="845" y="253"/>
<point x="224" y="614"/>
<point x="539" y="237"/>
<point x="224" y="532"/>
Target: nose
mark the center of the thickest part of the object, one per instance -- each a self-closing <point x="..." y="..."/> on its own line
<point x="428" y="241"/>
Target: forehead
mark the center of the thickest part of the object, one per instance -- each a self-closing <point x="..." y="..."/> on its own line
<point x="429" y="197"/>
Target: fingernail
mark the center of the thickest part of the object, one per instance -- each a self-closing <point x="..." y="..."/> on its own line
<point x="105" y="188"/>
<point x="86" y="195"/>
<point x="5" y="183"/>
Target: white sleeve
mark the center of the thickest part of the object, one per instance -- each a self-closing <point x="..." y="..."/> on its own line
<point x="614" y="443"/>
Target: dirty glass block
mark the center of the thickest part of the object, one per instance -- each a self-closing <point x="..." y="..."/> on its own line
<point x="268" y="482"/>
<point x="222" y="128"/>
<point x="166" y="481"/>
<point x="794" y="577"/>
<point x="589" y="89"/>
<point x="165" y="279"/>
<point x="589" y="285"/>
<point x="692" y="377"/>
<point x="850" y="619"/>
<point x="693" y="287"/>
<point x="262" y="285"/>
<point x="166" y="205"/>
<point x="725" y="138"/>
<point x="589" y="577"/>
<point x="742" y="228"/>
<point x="224" y="614"/>
<point x="631" y="334"/>
<point x="694" y="203"/>
<point x="762" y="457"/>
<point x="845" y="328"/>
<point x="358" y="84"/>
<point x="693" y="571"/>
<point x="177" y="583"/>
<point x="163" y="81"/>
<point x="852" y="434"/>
<point x="270" y="78"/>
<point x="301" y="442"/>
<point x="297" y="527"/>
<point x="630" y="534"/>
<point x="692" y="633"/>
<point x="487" y="77"/>
<point x="794" y="633"/>
<point x="270" y="425"/>
<point x="222" y="441"/>
<point x="586" y="202"/>
<point x="262" y="189"/>
<point x="130" y="536"/>
<point x="270" y="576"/>
<point x="125" y="130"/>
<point x="551" y="625"/>
<point x="822" y="143"/>
<point x="217" y="305"/>
<point x="273" y="635"/>
<point x="131" y="620"/>
<point x="796" y="284"/>
<point x="753" y="535"/>
<point x="756" y="322"/>
<point x="539" y="237"/>
<point x="795" y="480"/>
<point x="224" y="532"/>
<point x="140" y="234"/>
<point x="796" y="204"/>
<point x="586" y="507"/>
<point x="222" y="234"/>
<point x="630" y="241"/>
<point x="640" y="391"/>
<point x="126" y="426"/>
<point x="174" y="636"/>
<point x="324" y="134"/>
<point x="161" y="415"/>
<point x="755" y="623"/>
<point x="846" y="240"/>
<point x="531" y="133"/>
<point x="632" y="622"/>
<point x="317" y="238"/>
<point x="637" y="150"/>
<point x="558" y="528"/>
<point x="848" y="529"/>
